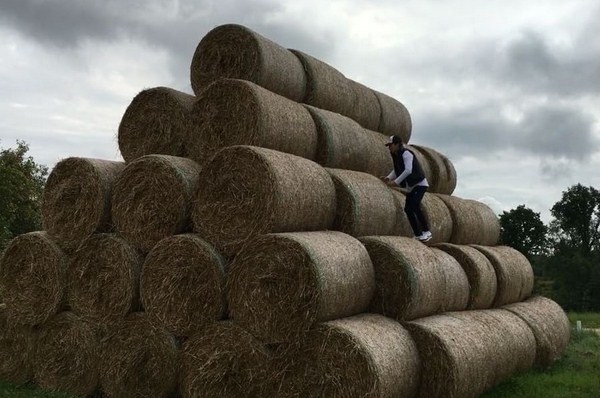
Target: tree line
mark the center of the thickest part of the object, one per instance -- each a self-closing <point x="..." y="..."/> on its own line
<point x="565" y="254"/>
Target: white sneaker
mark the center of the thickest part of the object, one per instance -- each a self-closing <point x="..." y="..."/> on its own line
<point x="425" y="236"/>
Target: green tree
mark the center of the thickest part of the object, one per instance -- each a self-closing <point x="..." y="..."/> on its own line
<point x="21" y="187"/>
<point x="577" y="219"/>
<point x="522" y="229"/>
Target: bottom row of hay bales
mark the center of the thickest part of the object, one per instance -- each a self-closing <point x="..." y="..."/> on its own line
<point x="455" y="354"/>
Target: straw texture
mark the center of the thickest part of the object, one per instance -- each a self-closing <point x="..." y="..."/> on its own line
<point x="365" y="205"/>
<point x="395" y="118"/>
<point x="473" y="222"/>
<point x="456" y="293"/>
<point x="183" y="283"/>
<point x="152" y="198"/>
<point x="224" y="360"/>
<point x="16" y="351"/>
<point x="246" y="191"/>
<point x="104" y="278"/>
<point x="33" y="278"/>
<point x="77" y="199"/>
<point x="238" y="112"/>
<point x="157" y="121"/>
<point x="443" y="174"/>
<point x="281" y="284"/>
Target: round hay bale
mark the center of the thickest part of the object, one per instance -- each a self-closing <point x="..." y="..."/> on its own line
<point x="246" y="191"/>
<point x="237" y="112"/>
<point x="33" y="278"/>
<point x="183" y="283"/>
<point x="473" y="222"/>
<point x="516" y="338"/>
<point x="157" y="121"/>
<point x="437" y="213"/>
<point x="326" y="87"/>
<point x="16" y="351"/>
<point x="77" y="198"/>
<point x="365" y="205"/>
<point x="513" y="273"/>
<point x="409" y="281"/>
<point x="402" y="225"/>
<point x="152" y="198"/>
<point x="490" y="221"/>
<point x="456" y="294"/>
<point x="366" y="355"/>
<point x="344" y="144"/>
<point x="465" y="353"/>
<point x="139" y="359"/>
<point x="67" y="355"/>
<point x="549" y="324"/>
<point x="237" y="52"/>
<point x="479" y="271"/>
<point x="395" y="118"/>
<point x="281" y="284"/>
<point x="452" y="177"/>
<point x="223" y="360"/>
<point x="104" y="279"/>
<point x="441" y="177"/>
<point x="366" y="109"/>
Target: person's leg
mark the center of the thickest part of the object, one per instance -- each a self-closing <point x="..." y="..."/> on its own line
<point x="410" y="208"/>
<point x="418" y="210"/>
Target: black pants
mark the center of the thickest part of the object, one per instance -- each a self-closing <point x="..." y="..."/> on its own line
<point x="416" y="218"/>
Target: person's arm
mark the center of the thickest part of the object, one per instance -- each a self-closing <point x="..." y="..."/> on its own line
<point x="407" y="157"/>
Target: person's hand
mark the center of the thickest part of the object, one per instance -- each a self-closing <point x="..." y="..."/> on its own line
<point x="384" y="179"/>
<point x="391" y="183"/>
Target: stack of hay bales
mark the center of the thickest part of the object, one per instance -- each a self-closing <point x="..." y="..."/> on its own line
<point x="247" y="247"/>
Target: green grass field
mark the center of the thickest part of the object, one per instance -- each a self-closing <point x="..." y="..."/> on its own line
<point x="576" y="375"/>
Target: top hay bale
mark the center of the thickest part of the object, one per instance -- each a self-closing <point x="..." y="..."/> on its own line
<point x="237" y="52"/>
<point x="77" y="199"/>
<point x="443" y="174"/>
<point x="473" y="222"/>
<point x="246" y="191"/>
<point x="395" y="118"/>
<point x="156" y="122"/>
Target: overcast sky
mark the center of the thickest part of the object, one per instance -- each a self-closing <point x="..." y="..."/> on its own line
<point x="509" y="90"/>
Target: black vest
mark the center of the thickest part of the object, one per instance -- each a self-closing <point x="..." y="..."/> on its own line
<point x="417" y="171"/>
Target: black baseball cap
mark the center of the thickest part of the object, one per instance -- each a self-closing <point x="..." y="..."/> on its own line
<point x="394" y="139"/>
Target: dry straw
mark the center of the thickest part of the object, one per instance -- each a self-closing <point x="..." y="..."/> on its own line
<point x="344" y="144"/>
<point x="16" y="351"/>
<point x="183" y="282"/>
<point x="473" y="222"/>
<point x="152" y="198"/>
<point x="365" y="205"/>
<point x="456" y="291"/>
<point x="549" y="324"/>
<point x="246" y="191"/>
<point x="139" y="359"/>
<point x="67" y="355"/>
<point x="366" y="109"/>
<point x="77" y="198"/>
<point x="281" y="284"/>
<point x="479" y="271"/>
<point x="466" y="353"/>
<point x="395" y="118"/>
<point x="326" y="87"/>
<point x="223" y="360"/>
<point x="513" y="273"/>
<point x="157" y="121"/>
<point x="238" y="112"/>
<point x="237" y="52"/>
<point x="409" y="281"/>
<point x="366" y="355"/>
<point x="443" y="178"/>
<point x="33" y="278"/>
<point x="104" y="278"/>
<point x="436" y="212"/>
